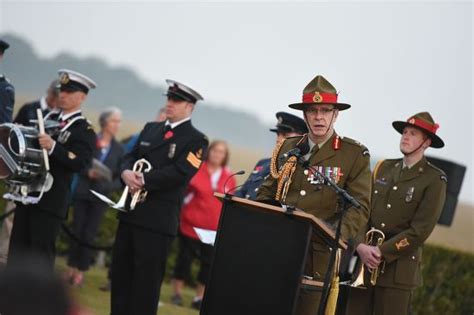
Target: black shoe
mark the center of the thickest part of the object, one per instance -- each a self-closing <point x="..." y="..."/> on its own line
<point x="196" y="304"/>
<point x="105" y="287"/>
<point x="177" y="300"/>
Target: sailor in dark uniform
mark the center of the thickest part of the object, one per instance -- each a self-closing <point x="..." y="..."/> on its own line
<point x="288" y="125"/>
<point x="7" y="91"/>
<point x="47" y="103"/>
<point x="36" y="226"/>
<point x="174" y="149"/>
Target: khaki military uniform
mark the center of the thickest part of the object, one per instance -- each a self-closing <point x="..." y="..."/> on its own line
<point x="406" y="204"/>
<point x="347" y="163"/>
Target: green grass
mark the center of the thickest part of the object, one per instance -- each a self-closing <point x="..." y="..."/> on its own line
<point x="90" y="297"/>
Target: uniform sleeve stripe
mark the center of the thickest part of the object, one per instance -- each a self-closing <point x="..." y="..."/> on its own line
<point x="193" y="160"/>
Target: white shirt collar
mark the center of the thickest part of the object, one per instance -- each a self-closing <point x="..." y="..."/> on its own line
<point x="177" y="123"/>
<point x="44" y="106"/>
<point x="66" y="116"/>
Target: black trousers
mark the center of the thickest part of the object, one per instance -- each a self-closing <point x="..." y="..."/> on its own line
<point x="87" y="216"/>
<point x="138" y="267"/>
<point x="189" y="249"/>
<point x="34" y="232"/>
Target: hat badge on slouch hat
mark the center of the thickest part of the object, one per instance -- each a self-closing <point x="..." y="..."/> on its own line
<point x="424" y="122"/>
<point x="319" y="91"/>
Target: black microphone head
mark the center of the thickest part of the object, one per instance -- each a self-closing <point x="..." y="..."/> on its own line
<point x="304" y="147"/>
<point x="241" y="172"/>
<point x="293" y="152"/>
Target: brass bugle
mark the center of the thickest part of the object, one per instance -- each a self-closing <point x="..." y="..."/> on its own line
<point x="373" y="237"/>
<point x="141" y="166"/>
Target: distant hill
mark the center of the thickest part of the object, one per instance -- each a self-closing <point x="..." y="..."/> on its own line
<point x="124" y="88"/>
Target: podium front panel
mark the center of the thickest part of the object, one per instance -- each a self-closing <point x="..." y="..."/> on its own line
<point x="258" y="262"/>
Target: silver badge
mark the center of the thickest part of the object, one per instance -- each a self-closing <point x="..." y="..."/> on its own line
<point x="409" y="195"/>
<point x="144" y="143"/>
<point x="172" y="150"/>
<point x="63" y="136"/>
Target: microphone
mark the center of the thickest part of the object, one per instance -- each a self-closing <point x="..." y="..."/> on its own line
<point x="241" y="172"/>
<point x="299" y="151"/>
<point x="293" y="152"/>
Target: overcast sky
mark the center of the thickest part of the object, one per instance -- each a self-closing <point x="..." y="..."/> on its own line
<point x="389" y="60"/>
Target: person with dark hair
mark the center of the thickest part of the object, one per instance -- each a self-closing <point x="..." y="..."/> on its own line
<point x="36" y="226"/>
<point x="174" y="150"/>
<point x="104" y="177"/>
<point x="29" y="288"/>
<point x="408" y="195"/>
<point x="7" y="91"/>
<point x="288" y="125"/>
<point x="201" y="210"/>
<point x="47" y="103"/>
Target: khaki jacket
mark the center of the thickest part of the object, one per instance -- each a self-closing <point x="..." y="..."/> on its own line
<point x="405" y="206"/>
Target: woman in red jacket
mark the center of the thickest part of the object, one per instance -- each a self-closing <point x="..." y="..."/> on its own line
<point x="202" y="210"/>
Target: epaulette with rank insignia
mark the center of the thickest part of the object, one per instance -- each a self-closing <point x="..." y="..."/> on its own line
<point x="364" y="150"/>
<point x="292" y="137"/>
<point x="442" y="174"/>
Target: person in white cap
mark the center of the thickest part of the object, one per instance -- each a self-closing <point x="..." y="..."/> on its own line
<point x="175" y="150"/>
<point x="36" y="226"/>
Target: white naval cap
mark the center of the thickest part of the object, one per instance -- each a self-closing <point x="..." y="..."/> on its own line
<point x="181" y="91"/>
<point x="73" y="81"/>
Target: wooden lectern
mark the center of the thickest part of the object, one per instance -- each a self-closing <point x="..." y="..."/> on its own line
<point x="260" y="253"/>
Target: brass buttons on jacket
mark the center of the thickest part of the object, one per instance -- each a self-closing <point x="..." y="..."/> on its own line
<point x="382" y="224"/>
<point x="389" y="206"/>
<point x="303" y="193"/>
<point x="395" y="187"/>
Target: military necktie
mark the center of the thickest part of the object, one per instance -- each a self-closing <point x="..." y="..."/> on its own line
<point x="313" y="151"/>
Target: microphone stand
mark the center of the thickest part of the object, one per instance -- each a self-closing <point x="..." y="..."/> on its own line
<point x="344" y="200"/>
<point x="227" y="195"/>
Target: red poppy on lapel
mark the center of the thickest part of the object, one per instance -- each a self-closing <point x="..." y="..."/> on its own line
<point x="168" y="134"/>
